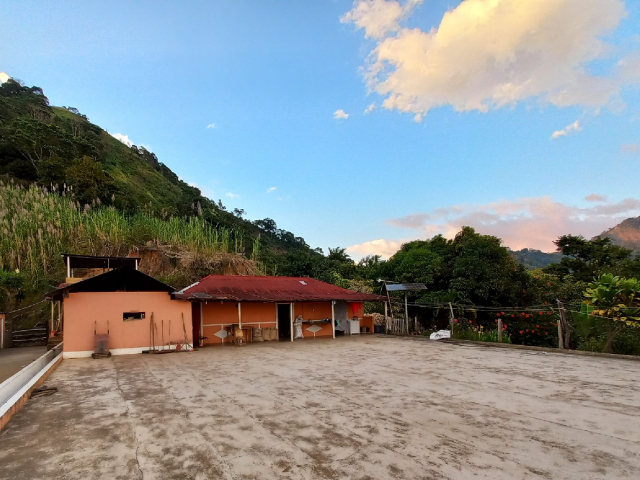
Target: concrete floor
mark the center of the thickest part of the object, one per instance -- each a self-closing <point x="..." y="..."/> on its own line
<point x="12" y="360"/>
<point x="357" y="408"/>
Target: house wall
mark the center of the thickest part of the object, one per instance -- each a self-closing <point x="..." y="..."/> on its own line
<point x="83" y="310"/>
<point x="216" y="315"/>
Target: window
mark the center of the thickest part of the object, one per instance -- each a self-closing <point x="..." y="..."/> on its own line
<point x="128" y="316"/>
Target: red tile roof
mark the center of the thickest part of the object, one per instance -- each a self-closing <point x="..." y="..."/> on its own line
<point x="239" y="288"/>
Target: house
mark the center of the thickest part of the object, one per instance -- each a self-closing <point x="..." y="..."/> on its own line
<point x="223" y="301"/>
<point x="140" y="313"/>
<point x="126" y="304"/>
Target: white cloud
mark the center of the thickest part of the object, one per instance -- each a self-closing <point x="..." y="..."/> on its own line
<point x="630" y="149"/>
<point x="382" y="247"/>
<point x="487" y="54"/>
<point x="272" y="189"/>
<point x="3" y="77"/>
<point x="232" y="195"/>
<point x="594" y="197"/>
<point x="211" y="125"/>
<point x="123" y="138"/>
<point x="574" y="127"/>
<point x="370" y="108"/>
<point x="340" y="114"/>
<point x="378" y="17"/>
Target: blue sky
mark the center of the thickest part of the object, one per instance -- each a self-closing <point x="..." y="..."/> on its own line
<point x="518" y="118"/>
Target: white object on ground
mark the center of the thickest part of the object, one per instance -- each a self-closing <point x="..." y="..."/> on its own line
<point x="440" y="334"/>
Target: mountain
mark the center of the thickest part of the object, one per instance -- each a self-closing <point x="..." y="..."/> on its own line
<point x="68" y="157"/>
<point x="533" y="259"/>
<point x="625" y="234"/>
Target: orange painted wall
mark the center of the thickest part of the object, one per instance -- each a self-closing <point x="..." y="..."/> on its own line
<point x="253" y="314"/>
<point x="81" y="310"/>
<point x="314" y="311"/>
<point x="215" y="314"/>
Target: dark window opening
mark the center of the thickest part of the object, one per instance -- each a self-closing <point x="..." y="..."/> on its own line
<point x="127" y="316"/>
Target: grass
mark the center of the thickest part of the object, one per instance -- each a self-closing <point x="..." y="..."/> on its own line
<point x="36" y="226"/>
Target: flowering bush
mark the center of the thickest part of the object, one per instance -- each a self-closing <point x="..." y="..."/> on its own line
<point x="535" y="328"/>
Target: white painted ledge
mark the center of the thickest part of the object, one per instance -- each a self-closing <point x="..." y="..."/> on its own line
<point x="114" y="351"/>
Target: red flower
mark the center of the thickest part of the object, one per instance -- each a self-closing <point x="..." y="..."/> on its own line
<point x="502" y="313"/>
<point x="537" y="326"/>
<point x="540" y="313"/>
<point x="546" y="333"/>
<point x="520" y="332"/>
<point x="550" y="313"/>
<point x="527" y="330"/>
<point x="470" y="322"/>
<point x="456" y="320"/>
<point x="512" y="316"/>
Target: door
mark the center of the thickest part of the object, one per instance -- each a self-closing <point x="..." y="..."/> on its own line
<point x="284" y="321"/>
<point x="196" y="321"/>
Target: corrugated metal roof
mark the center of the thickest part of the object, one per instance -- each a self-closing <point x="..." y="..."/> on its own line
<point x="394" y="287"/>
<point x="240" y="288"/>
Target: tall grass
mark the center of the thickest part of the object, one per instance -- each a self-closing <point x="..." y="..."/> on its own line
<point x="36" y="226"/>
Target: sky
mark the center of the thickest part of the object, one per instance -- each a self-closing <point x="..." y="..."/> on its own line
<point x="362" y="124"/>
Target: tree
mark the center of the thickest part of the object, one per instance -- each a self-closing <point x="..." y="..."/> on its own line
<point x="11" y="288"/>
<point x="586" y="259"/>
<point x="616" y="301"/>
<point x="87" y="177"/>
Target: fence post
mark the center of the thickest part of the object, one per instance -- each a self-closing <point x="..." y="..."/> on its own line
<point x="499" y="330"/>
<point x="451" y="318"/>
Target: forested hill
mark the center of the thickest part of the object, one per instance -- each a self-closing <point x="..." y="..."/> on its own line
<point x="60" y="149"/>
<point x="626" y="234"/>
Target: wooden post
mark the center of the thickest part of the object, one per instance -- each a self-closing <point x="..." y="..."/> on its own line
<point x="240" y="315"/>
<point x="560" y="341"/>
<point x="499" y="330"/>
<point x="390" y="306"/>
<point x="333" y="317"/>
<point x="68" y="267"/>
<point x="386" y="321"/>
<point x="51" y="321"/>
<point x="564" y="328"/>
<point x="451" y="318"/>
<point x="59" y="315"/>
<point x="291" y="310"/>
<point x="406" y="314"/>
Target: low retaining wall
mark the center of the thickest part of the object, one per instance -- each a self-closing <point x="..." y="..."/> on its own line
<point x="15" y="391"/>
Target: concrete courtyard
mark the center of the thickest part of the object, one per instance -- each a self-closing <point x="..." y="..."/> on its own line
<point x="356" y="408"/>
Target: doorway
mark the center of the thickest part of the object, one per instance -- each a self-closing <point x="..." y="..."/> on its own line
<point x="196" y="322"/>
<point x="284" y="321"/>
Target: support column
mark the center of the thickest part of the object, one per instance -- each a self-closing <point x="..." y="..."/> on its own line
<point x="68" y="267"/>
<point x="291" y="309"/>
<point x="51" y="321"/>
<point x="240" y="315"/>
<point x="202" y="323"/>
<point x="333" y="318"/>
